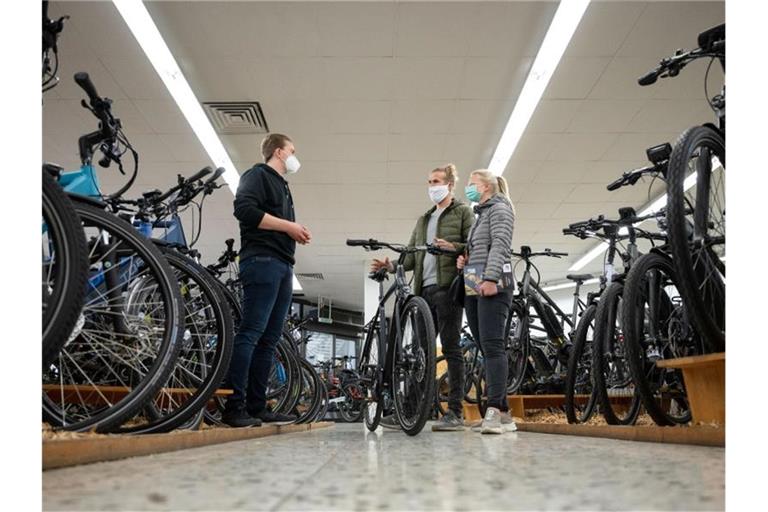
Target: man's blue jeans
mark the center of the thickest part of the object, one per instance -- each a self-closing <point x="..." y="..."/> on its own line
<point x="267" y="294"/>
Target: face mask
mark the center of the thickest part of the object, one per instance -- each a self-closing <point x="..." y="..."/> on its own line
<point x="472" y="194"/>
<point x="292" y="164"/>
<point x="438" y="193"/>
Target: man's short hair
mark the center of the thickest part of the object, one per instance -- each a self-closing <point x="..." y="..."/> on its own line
<point x="272" y="143"/>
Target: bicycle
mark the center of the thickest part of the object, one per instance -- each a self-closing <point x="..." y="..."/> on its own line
<point x="696" y="213"/>
<point x="128" y="333"/>
<point x="535" y="362"/>
<point x="64" y="259"/>
<point x="404" y="380"/>
<point x="473" y="365"/>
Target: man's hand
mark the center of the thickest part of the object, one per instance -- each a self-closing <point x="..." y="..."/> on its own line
<point x="460" y="262"/>
<point x="377" y="264"/>
<point x="299" y="233"/>
<point x="444" y="244"/>
<point x="488" y="289"/>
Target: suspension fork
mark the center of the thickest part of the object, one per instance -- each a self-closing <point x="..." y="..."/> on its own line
<point x="112" y="274"/>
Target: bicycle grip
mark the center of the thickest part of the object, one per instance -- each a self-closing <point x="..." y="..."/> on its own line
<point x="648" y="78"/>
<point x="216" y="175"/>
<point x="617" y="184"/>
<point x="357" y="243"/>
<point x="84" y="81"/>
<point x="200" y="174"/>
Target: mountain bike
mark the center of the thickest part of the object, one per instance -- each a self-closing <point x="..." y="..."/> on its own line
<point x="404" y="380"/>
<point x="696" y="198"/>
<point x="610" y="367"/>
<point x="127" y="336"/>
<point x="65" y="260"/>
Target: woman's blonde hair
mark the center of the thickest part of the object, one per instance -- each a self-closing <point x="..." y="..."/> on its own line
<point x="451" y="176"/>
<point x="497" y="183"/>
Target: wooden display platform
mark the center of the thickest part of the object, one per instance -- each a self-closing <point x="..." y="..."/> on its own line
<point x="59" y="453"/>
<point x="518" y="404"/>
<point x="704" y="378"/>
<point x="700" y="435"/>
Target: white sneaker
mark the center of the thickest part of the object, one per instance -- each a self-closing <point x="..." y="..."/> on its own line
<point x="507" y="423"/>
<point x="492" y="422"/>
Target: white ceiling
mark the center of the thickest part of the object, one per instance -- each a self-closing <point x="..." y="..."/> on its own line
<point x="376" y="94"/>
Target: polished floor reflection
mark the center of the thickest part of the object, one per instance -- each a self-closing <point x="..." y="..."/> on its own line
<point x="348" y="468"/>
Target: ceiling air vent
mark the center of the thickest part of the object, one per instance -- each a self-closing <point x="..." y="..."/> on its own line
<point x="311" y="277"/>
<point x="236" y="116"/>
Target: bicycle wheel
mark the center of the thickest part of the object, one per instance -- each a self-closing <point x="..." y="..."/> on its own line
<point x="205" y="353"/>
<point x="121" y="353"/>
<point x="65" y="268"/>
<point x="309" y="400"/>
<point x="351" y="409"/>
<point x="610" y="368"/>
<point x="696" y="227"/>
<point x="413" y="366"/>
<point x="579" y="379"/>
<point x="656" y="328"/>
<point x="517" y="347"/>
<point x="283" y="387"/>
<point x="369" y="367"/>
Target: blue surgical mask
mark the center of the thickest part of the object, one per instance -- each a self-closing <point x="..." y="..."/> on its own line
<point x="472" y="194"/>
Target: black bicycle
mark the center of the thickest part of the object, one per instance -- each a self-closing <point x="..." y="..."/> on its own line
<point x="696" y="198"/>
<point x="404" y="380"/>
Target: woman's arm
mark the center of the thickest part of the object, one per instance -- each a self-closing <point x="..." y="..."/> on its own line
<point x="502" y="223"/>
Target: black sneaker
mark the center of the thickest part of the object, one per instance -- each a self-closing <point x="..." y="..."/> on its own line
<point x="267" y="416"/>
<point x="389" y="421"/>
<point x="239" y="418"/>
<point x="450" y="422"/>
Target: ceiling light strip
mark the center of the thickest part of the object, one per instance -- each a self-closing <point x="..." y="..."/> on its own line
<point x="148" y="36"/>
<point x="562" y="28"/>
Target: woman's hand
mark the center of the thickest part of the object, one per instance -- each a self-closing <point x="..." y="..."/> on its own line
<point x="460" y="262"/>
<point x="377" y="264"/>
<point x="488" y="289"/>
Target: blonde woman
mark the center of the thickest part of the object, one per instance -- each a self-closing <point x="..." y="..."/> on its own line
<point x="489" y="250"/>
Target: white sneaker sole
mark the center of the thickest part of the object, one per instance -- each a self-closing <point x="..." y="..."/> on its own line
<point x="492" y="430"/>
<point x="509" y="427"/>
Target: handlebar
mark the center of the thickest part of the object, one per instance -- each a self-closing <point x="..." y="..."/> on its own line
<point x="84" y="81"/>
<point x="526" y="253"/>
<point x="374" y="245"/>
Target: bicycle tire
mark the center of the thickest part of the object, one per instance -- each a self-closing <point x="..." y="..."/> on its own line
<point x="374" y="407"/>
<point x="704" y="297"/>
<point x="68" y="272"/>
<point x="422" y="356"/>
<point x="605" y="326"/>
<point x="633" y="316"/>
<point x="581" y="351"/>
<point x="202" y="363"/>
<point x="105" y="415"/>
<point x="518" y="363"/>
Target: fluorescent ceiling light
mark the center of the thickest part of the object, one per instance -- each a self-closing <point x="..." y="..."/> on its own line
<point x="655" y="206"/>
<point x="570" y="284"/>
<point x="145" y="31"/>
<point x="567" y="18"/>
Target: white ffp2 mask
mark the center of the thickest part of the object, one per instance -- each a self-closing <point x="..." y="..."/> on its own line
<point x="438" y="192"/>
<point x="292" y="164"/>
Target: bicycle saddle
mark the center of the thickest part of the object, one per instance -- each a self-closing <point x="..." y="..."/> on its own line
<point x="579" y="278"/>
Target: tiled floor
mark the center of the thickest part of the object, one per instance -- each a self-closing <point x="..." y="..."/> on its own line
<point x="348" y="468"/>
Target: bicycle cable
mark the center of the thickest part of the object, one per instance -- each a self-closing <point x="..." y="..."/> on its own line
<point x="706" y="91"/>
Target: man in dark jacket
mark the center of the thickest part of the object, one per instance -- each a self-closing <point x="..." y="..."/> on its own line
<point x="447" y="225"/>
<point x="268" y="236"/>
